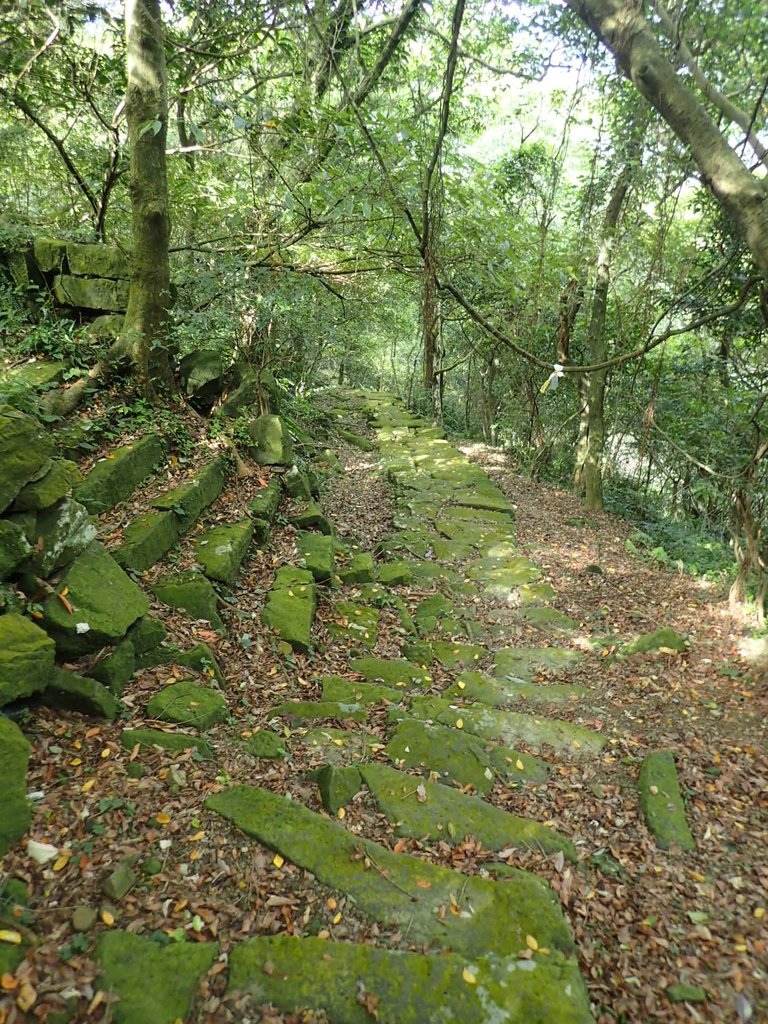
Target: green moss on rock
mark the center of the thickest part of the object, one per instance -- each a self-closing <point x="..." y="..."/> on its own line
<point x="298" y="711"/>
<point x="527" y="662"/>
<point x="338" y="786"/>
<point x="14" y="547"/>
<point x="454" y="757"/>
<point x="662" y="640"/>
<point x="146" y="634"/>
<point x="57" y="482"/>
<point x="156" y="984"/>
<point x="189" y="499"/>
<point x="221" y="550"/>
<point x="270" y="442"/>
<point x="25" y="450"/>
<point x="493" y="917"/>
<point x="191" y="593"/>
<point x="266" y="502"/>
<point x="115" y="478"/>
<point x="503" y="693"/>
<point x="265" y="744"/>
<point x="318" y="553"/>
<point x="116" y="669"/>
<point x="26" y="658"/>
<point x="188" y="703"/>
<point x="355" y="622"/>
<point x="360" y="568"/>
<point x="367" y="694"/>
<point x="398" y="673"/>
<point x="290" y="606"/>
<point x="76" y="693"/>
<point x="15" y="814"/>
<point x="146" y="539"/>
<point x="61" y="533"/>
<point x="662" y="803"/>
<point x="173" y="742"/>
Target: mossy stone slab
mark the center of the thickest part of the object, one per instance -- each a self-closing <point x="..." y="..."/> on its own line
<point x="156" y="984"/>
<point x="499" y="520"/>
<point x="355" y="622"/>
<point x="338" y="786"/>
<point x="662" y="803"/>
<point x="192" y="593"/>
<point x="682" y="993"/>
<point x="189" y="499"/>
<point x="312" y="517"/>
<point x="403" y="987"/>
<point x="527" y="662"/>
<point x="360" y="569"/>
<point x="39" y="374"/>
<point x="146" y="539"/>
<point x="503" y="572"/>
<point x="14" y="547"/>
<point x="94" y="259"/>
<point x="266" y="501"/>
<point x="173" y="742"/>
<point x="398" y="673"/>
<point x="431" y="612"/>
<point x="438" y="812"/>
<point x="105" y="603"/>
<point x="15" y="812"/>
<point x="61" y="532"/>
<point x="26" y="658"/>
<point x="57" y="482"/>
<point x="221" y="550"/>
<point x="490" y="501"/>
<point x="290" y="606"/>
<point x="337" y="746"/>
<point x="454" y="756"/>
<point x="476" y="534"/>
<point x="367" y="694"/>
<point x="548" y="620"/>
<point x="72" y="692"/>
<point x="451" y="655"/>
<point x="25" y="450"/>
<point x="188" y="703"/>
<point x="116" y="669"/>
<point x="392" y="574"/>
<point x="270" y="442"/>
<point x="265" y="744"/>
<point x="91" y="292"/>
<point x="503" y="693"/>
<point x="299" y="711"/>
<point x="512" y="727"/>
<point x="318" y="552"/>
<point x="536" y="593"/>
<point x="115" y="478"/>
<point x="404" y="891"/>
<point x="357" y="441"/>
<point x="452" y="550"/>
<point x="662" y="640"/>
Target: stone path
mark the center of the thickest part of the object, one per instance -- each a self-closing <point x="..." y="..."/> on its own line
<point x="456" y="703"/>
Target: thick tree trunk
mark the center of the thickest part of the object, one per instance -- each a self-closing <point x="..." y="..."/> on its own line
<point x="623" y="29"/>
<point x="144" y="336"/>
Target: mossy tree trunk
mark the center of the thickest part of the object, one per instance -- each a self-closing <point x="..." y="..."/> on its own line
<point x="145" y="334"/>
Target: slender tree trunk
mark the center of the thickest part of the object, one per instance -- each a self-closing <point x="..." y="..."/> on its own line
<point x="623" y="29"/>
<point x="144" y="336"/>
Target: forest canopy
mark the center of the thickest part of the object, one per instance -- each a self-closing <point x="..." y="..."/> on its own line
<point x="543" y="224"/>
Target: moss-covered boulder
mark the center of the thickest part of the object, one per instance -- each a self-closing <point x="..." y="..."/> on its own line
<point x="398" y="673"/>
<point x="354" y="983"/>
<point x="312" y="517"/>
<point x="338" y="786"/>
<point x="404" y="891"/>
<point x="188" y="703"/>
<point x="266" y="501"/>
<point x="297" y="484"/>
<point x="662" y="641"/>
<point x="192" y="593"/>
<point x="173" y="742"/>
<point x="662" y="803"/>
<point x="146" y="634"/>
<point x="49" y="253"/>
<point x="146" y="539"/>
<point x="50" y="488"/>
<point x="265" y="744"/>
<point x="201" y="374"/>
<point x="26" y="658"/>
<point x="290" y="606"/>
<point x="437" y="812"/>
<point x="61" y="532"/>
<point x="94" y="259"/>
<point x="102" y="603"/>
<point x="72" y="692"/>
<point x="25" y="450"/>
<point x="115" y="669"/>
<point x="269" y="441"/>
<point x="189" y="499"/>
<point x="155" y="984"/>
<point x="221" y="550"/>
<point x="14" y="547"/>
<point x="318" y="553"/>
<point x="360" y="569"/>
<point x="15" y="814"/>
<point x="115" y="478"/>
<point x="356" y="623"/>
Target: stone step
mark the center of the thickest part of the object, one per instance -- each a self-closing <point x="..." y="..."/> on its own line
<point x="355" y="984"/>
<point x="662" y="803"/>
<point x="115" y="478"/>
<point x="291" y="605"/>
<point x="221" y="550"/>
<point x="437" y="906"/>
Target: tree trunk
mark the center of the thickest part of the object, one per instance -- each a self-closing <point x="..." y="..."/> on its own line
<point x="620" y="25"/>
<point x="144" y="336"/>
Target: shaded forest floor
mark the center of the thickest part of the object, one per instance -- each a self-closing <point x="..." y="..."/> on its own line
<point x="643" y="919"/>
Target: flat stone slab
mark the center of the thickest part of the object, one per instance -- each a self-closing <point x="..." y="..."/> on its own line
<point x="425" y="809"/>
<point x="309" y="710"/>
<point x="398" y="673"/>
<point x="189" y="499"/>
<point x="291" y="605"/>
<point x="466" y="914"/>
<point x="527" y="662"/>
<point x="662" y="641"/>
<point x="116" y="477"/>
<point x="188" y="703"/>
<point x="191" y="592"/>
<point x="357" y="623"/>
<point x="360" y="569"/>
<point x="156" y="984"/>
<point x="57" y="482"/>
<point x="221" y="550"/>
<point x="510" y="726"/>
<point x="318" y="553"/>
<point x="405" y="988"/>
<point x="337" y="746"/>
<point x="548" y="620"/>
<point x="146" y="539"/>
<point x="26" y="657"/>
<point x="452" y="655"/>
<point x="504" y="693"/>
<point x="367" y="694"/>
<point x="173" y="742"/>
<point x="15" y="811"/>
<point x="662" y="803"/>
<point x="103" y="603"/>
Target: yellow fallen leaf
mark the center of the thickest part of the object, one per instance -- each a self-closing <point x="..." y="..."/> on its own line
<point x="197" y="837"/>
<point x="26" y="998"/>
<point x="759" y="913"/>
<point x="740" y="947"/>
<point x="519" y="765"/>
<point x="60" y="863"/>
<point x="468" y="976"/>
<point x="107" y="917"/>
<point x="88" y="786"/>
<point x="462" y="685"/>
<point x="162" y="818"/>
<point x="341" y="813"/>
<point x="331" y="903"/>
<point x="76" y="761"/>
<point x="8" y="936"/>
<point x="278" y="861"/>
<point x="7" y="982"/>
<point x="459" y="723"/>
<point x="105" y="753"/>
<point x="337" y="918"/>
<point x="531" y="943"/>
